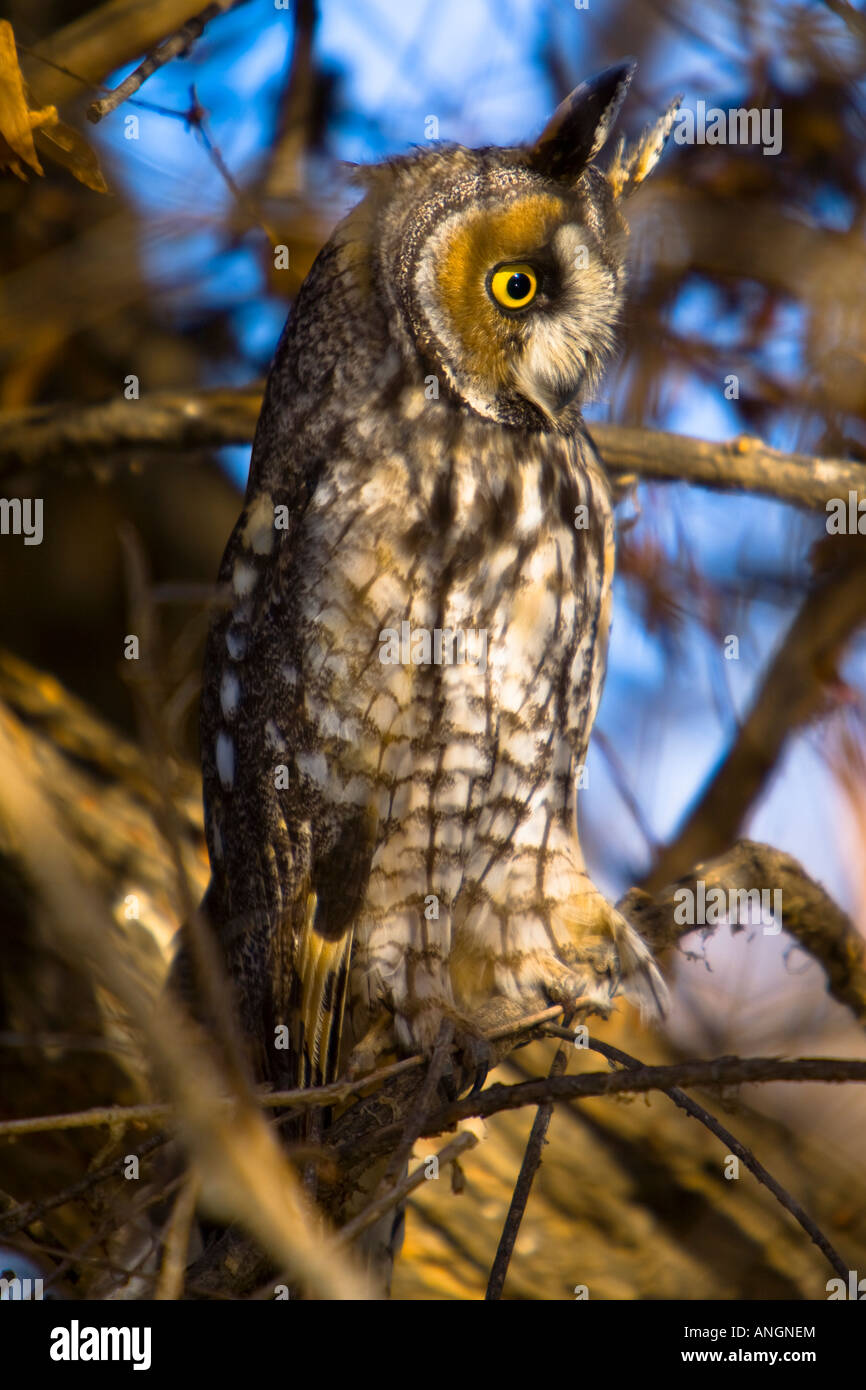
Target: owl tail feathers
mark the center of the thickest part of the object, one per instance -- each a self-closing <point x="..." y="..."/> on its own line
<point x="640" y="978"/>
<point x="323" y="968"/>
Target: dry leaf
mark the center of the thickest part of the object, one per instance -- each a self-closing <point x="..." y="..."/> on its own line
<point x="18" y="122"/>
<point x="72" y="150"/>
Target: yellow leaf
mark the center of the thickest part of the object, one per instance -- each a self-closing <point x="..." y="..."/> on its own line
<point x="19" y="123"/>
<point x="72" y="150"/>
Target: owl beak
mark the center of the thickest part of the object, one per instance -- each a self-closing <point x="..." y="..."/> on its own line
<point x="551" y="398"/>
<point x="581" y="123"/>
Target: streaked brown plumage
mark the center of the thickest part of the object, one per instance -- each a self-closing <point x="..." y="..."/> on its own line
<point x="393" y="837"/>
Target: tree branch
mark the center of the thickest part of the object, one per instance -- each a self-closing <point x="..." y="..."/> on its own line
<point x="166" y="422"/>
<point x="171" y="422"/>
<point x="743" y="464"/>
<point x="102" y="39"/>
<point x="697" y="1112"/>
<point x="721" y="1071"/>
<point x="528" y="1169"/>
<point x="809" y="914"/>
<point x="177" y="45"/>
<point x="393" y="1196"/>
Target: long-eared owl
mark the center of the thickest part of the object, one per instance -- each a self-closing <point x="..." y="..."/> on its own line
<point x="399" y="692"/>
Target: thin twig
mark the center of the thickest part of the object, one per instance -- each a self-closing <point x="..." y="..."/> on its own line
<point x="719" y="1071"/>
<point x="177" y="45"/>
<point x="745" y="1155"/>
<point x="22" y="1216"/>
<point x="697" y="1112"/>
<point x="623" y="786"/>
<point x="113" y="1115"/>
<point x="169" y="1286"/>
<point x="395" y="1195"/>
<point x="302" y="1099"/>
<point x="420" y="1107"/>
<point x="529" y="1167"/>
<point x="390" y="1199"/>
<point x="110" y="1223"/>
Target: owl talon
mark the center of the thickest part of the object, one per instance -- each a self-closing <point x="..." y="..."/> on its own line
<point x="480" y="1078"/>
<point x="473" y="1059"/>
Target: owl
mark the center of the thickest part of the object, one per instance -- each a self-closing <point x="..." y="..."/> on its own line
<point x="400" y="686"/>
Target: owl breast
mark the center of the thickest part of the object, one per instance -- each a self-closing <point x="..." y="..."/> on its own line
<point x="453" y="606"/>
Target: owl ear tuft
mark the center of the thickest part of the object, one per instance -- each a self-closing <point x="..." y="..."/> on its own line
<point x="582" y="122"/>
<point x="632" y="163"/>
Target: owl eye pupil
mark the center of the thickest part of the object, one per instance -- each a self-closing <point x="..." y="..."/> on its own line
<point x="513" y="286"/>
<point x="519" y="285"/>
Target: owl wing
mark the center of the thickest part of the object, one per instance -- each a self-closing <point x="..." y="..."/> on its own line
<point x="291" y="858"/>
<point x="324" y="946"/>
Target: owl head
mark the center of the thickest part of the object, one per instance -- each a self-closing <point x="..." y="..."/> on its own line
<point x="503" y="268"/>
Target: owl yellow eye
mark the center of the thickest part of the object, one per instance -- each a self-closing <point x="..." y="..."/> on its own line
<point x="514" y="286"/>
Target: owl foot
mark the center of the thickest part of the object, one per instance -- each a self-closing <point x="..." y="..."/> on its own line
<point x="579" y="988"/>
<point x="474" y="1056"/>
<point x="599" y="955"/>
<point x="379" y="1040"/>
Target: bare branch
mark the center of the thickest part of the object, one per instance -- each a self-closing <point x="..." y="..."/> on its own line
<point x="308" y="1098"/>
<point x="99" y="41"/>
<point x="721" y="1071"/>
<point x="57" y="436"/>
<point x="177" y="45"/>
<point x="809" y="914"/>
<point x="170" y="1283"/>
<point x="529" y="1167"/>
<point x="395" y="1195"/>
<point x="19" y="1217"/>
<point x="112" y="1115"/>
<point x="171" y="422"/>
<point x="744" y="464"/>
<point x="697" y="1112"/>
